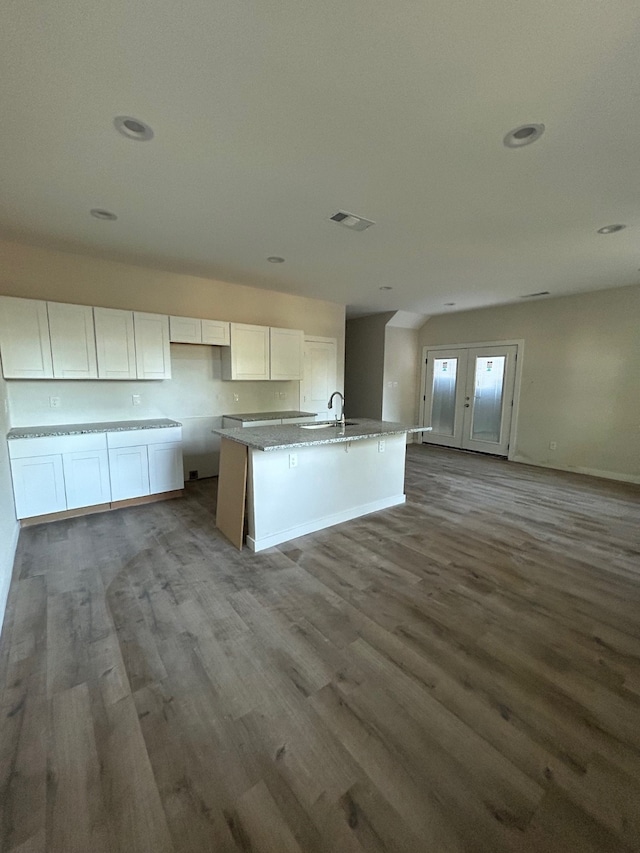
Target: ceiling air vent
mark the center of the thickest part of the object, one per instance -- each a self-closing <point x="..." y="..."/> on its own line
<point x="350" y="220"/>
<point x="539" y="293"/>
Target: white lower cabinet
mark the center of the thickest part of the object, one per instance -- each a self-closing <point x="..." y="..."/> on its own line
<point x="129" y="469"/>
<point x="165" y="467"/>
<point x="86" y="478"/>
<point x="57" y="473"/>
<point x="145" y="462"/>
<point x="38" y="485"/>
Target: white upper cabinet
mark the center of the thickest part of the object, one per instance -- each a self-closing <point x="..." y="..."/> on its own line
<point x="286" y="353"/>
<point x="24" y="339"/>
<point x="185" y="330"/>
<point x="190" y="330"/>
<point x="248" y="356"/>
<point x="115" y="343"/>
<point x="152" y="345"/>
<point x="73" y="341"/>
<point x="216" y="333"/>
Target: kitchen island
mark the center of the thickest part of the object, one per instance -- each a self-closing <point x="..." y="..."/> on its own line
<point x="300" y="478"/>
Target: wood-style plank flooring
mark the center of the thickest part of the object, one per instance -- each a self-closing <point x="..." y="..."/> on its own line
<point x="461" y="673"/>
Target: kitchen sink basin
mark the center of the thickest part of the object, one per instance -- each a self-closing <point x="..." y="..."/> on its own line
<point x="326" y="424"/>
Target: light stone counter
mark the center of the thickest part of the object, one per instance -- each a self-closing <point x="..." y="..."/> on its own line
<point x="85" y="429"/>
<point x="247" y="417"/>
<point x="289" y="436"/>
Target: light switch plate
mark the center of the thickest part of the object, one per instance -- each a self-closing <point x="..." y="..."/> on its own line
<point x="55" y="402"/>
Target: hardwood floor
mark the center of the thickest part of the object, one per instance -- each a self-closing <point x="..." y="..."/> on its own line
<point x="461" y="673"/>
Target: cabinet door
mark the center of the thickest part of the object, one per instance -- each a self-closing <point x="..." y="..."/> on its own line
<point x="286" y="353"/>
<point x="248" y="357"/>
<point x="86" y="478"/>
<point x="129" y="470"/>
<point x="165" y="467"/>
<point x="216" y="333"/>
<point x="152" y="346"/>
<point x="185" y="330"/>
<point x="73" y="341"/>
<point x="38" y="485"/>
<point x="24" y="339"/>
<point x="115" y="344"/>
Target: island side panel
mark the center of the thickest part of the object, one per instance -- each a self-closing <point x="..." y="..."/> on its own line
<point x="326" y="485"/>
<point x="232" y="484"/>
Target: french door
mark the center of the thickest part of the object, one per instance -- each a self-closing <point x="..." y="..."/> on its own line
<point x="468" y="397"/>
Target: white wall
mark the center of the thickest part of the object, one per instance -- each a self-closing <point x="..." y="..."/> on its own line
<point x="8" y="525"/>
<point x="580" y="376"/>
<point x="195" y="395"/>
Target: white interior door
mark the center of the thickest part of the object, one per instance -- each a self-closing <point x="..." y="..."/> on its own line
<point x="319" y="378"/>
<point x="469" y="397"/>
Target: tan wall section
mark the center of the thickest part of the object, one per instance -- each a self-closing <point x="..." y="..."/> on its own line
<point x="401" y="363"/>
<point x="64" y="277"/>
<point x="196" y="394"/>
<point x="580" y="376"/>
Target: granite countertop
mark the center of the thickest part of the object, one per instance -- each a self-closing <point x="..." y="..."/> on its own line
<point x="247" y="417"/>
<point x="293" y="435"/>
<point x="84" y="429"/>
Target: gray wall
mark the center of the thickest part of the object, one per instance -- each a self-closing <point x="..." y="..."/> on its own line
<point x="364" y="365"/>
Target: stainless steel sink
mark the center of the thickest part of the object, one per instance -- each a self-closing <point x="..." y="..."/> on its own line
<point x="326" y="425"/>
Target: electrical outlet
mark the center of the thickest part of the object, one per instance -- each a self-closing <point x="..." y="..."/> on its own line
<point x="55" y="402"/>
<point x="553" y="445"/>
<point x="381" y="446"/>
<point x="276" y="394"/>
<point x="283" y="395"/>
<point x="136" y="399"/>
<point x="236" y="398"/>
<point x="293" y="460"/>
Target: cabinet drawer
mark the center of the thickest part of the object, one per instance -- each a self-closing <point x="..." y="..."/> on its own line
<point x="21" y="448"/>
<point x="133" y="437"/>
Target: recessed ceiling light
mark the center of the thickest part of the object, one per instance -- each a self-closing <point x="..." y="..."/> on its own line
<point x="449" y="304"/>
<point x="274" y="259"/>
<point x="523" y="135"/>
<point x="539" y="293"/>
<point x="133" y="128"/>
<point x="386" y="287"/>
<point x="610" y="229"/>
<point x="99" y="213"/>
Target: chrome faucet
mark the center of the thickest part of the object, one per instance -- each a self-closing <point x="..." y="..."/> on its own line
<point x="330" y="406"/>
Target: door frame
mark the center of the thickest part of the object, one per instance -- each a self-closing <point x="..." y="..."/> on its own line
<point x="518" y="342"/>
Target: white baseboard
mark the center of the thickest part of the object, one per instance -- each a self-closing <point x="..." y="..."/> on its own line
<point x="6" y="571"/>
<point x="591" y="472"/>
<point x="321" y="523"/>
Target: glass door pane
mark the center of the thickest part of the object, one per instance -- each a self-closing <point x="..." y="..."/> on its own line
<point x="488" y="397"/>
<point x="443" y="395"/>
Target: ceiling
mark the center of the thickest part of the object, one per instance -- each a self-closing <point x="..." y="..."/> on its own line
<point x="270" y="116"/>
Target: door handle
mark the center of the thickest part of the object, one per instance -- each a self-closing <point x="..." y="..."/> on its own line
<point x="466" y="405"/>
